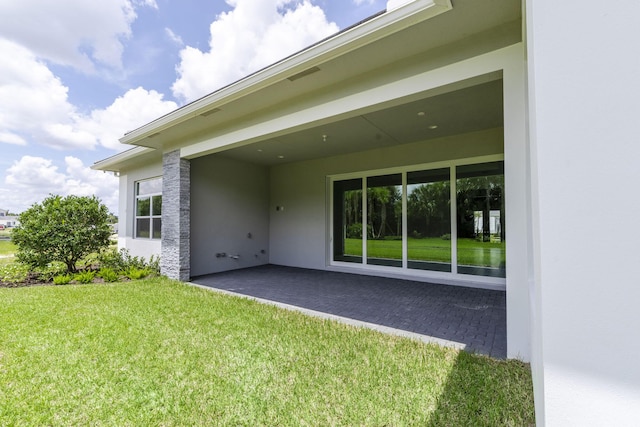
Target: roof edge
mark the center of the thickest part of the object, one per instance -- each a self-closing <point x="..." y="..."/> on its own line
<point x="114" y="163"/>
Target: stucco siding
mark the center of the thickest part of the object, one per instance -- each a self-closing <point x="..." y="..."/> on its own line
<point x="136" y="247"/>
<point x="229" y="215"/>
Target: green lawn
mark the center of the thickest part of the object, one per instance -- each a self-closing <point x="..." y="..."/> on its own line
<point x="470" y="251"/>
<point x="159" y="352"/>
<point x="7" y="247"/>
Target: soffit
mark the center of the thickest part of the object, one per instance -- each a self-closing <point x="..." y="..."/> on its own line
<point x="474" y="108"/>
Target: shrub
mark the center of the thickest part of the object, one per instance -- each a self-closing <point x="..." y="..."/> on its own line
<point x="134" y="273"/>
<point x="14" y="273"/>
<point x="51" y="270"/>
<point x="108" y="274"/>
<point x="120" y="260"/>
<point x="354" y="231"/>
<point x="62" y="229"/>
<point x="154" y="265"/>
<point x="446" y="237"/>
<point x="62" y="279"/>
<point x="85" y="277"/>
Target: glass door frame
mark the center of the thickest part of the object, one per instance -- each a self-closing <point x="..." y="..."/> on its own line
<point x="443" y="277"/>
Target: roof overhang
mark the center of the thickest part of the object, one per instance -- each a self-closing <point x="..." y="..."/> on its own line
<point x="128" y="159"/>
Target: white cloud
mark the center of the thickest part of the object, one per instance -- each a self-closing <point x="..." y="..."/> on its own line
<point x="173" y="37"/>
<point x="32" y="97"/>
<point x="128" y="112"/>
<point x="31" y="179"/>
<point x="12" y="138"/>
<point x="35" y="107"/>
<point x="256" y="33"/>
<point x="75" y="33"/>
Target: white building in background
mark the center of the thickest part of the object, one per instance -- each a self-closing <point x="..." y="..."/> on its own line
<point x="540" y="94"/>
<point x="7" y="220"/>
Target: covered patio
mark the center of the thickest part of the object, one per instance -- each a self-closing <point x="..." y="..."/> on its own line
<point x="469" y="318"/>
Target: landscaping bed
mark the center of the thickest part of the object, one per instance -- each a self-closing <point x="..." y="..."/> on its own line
<point x="106" y="267"/>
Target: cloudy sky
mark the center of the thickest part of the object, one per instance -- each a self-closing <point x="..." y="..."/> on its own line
<point x="75" y="75"/>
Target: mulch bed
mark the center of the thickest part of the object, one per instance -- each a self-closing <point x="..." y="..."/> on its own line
<point x="33" y="280"/>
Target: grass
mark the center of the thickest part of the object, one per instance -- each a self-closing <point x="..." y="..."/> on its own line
<point x="470" y="251"/>
<point x="7" y="247"/>
<point x="159" y="352"/>
<point x="7" y="250"/>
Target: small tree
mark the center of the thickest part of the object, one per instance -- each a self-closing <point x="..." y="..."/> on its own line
<point x="62" y="229"/>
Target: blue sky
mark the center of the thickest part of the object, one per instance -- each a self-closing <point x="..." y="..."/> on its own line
<point x="75" y="75"/>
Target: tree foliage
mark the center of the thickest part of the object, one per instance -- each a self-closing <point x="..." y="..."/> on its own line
<point x="62" y="229"/>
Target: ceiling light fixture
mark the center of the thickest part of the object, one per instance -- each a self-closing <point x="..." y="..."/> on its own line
<point x="432" y="127"/>
<point x="421" y="113"/>
<point x="324" y="138"/>
<point x="281" y="156"/>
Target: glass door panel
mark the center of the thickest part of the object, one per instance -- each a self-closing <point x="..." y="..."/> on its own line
<point x="480" y="219"/>
<point x="429" y="220"/>
<point x="384" y="220"/>
<point x="347" y="220"/>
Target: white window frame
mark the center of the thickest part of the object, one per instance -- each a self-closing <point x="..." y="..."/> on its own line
<point x="452" y="277"/>
<point x="151" y="216"/>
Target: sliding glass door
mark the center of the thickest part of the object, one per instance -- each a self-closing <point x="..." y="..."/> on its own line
<point x="347" y="220"/>
<point x="404" y="220"/>
<point x="384" y="220"/>
<point x="480" y="219"/>
<point x="429" y="220"/>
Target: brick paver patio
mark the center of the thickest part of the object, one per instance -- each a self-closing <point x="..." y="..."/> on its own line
<point x="473" y="317"/>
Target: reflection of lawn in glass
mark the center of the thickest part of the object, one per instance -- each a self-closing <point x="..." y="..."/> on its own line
<point x="470" y="251"/>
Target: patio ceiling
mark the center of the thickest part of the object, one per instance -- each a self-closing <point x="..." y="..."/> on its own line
<point x="469" y="109"/>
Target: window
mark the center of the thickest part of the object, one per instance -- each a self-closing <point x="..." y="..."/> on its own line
<point x="447" y="219"/>
<point x="429" y="220"/>
<point x="148" y="220"/>
<point x="384" y="220"/>
<point x="481" y="236"/>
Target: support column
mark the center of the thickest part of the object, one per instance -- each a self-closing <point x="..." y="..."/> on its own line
<point x="517" y="195"/>
<point x="175" y="259"/>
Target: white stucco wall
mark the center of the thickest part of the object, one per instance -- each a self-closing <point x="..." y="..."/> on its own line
<point x="136" y="247"/>
<point x="229" y="201"/>
<point x="584" y="64"/>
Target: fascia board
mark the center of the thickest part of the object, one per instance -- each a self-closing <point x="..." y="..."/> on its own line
<point x="352" y="39"/>
<point x="115" y="162"/>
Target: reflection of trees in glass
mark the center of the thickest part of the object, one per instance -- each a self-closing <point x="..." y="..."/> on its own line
<point x="382" y="200"/>
<point x="144" y="206"/>
<point x="428" y="207"/>
<point x="479" y="194"/>
<point x="353" y="213"/>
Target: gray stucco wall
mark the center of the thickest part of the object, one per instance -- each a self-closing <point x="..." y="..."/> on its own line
<point x="230" y="215"/>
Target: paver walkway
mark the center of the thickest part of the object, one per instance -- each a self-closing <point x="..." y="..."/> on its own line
<point x="473" y="317"/>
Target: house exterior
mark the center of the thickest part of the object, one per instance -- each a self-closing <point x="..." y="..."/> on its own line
<point x="458" y="142"/>
<point x="7" y="220"/>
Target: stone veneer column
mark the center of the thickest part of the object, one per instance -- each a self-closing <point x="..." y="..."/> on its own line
<point x="175" y="258"/>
